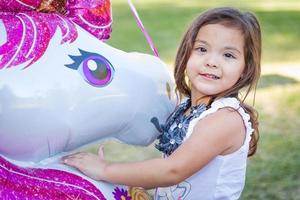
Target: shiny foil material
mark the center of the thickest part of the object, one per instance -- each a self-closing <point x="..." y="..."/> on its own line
<point x="62" y="88"/>
<point x="29" y="31"/>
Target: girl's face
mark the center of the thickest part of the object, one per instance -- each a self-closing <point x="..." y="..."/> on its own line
<point x="217" y="60"/>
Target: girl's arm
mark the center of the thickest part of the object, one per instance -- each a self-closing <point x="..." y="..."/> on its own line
<point x="222" y="132"/>
<point x="147" y="174"/>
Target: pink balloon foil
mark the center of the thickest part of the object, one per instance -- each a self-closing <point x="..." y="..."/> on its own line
<point x="30" y="31"/>
<point x="17" y="182"/>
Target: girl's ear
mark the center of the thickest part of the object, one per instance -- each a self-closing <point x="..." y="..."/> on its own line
<point x="242" y="75"/>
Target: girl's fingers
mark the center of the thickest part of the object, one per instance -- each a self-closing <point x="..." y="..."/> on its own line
<point x="74" y="162"/>
<point x="101" y="152"/>
<point x="76" y="155"/>
<point x="73" y="158"/>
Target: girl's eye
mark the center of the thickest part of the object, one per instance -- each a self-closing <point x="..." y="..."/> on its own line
<point x="229" y="55"/>
<point x="202" y="49"/>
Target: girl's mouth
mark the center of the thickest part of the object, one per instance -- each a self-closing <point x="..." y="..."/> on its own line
<point x="210" y="76"/>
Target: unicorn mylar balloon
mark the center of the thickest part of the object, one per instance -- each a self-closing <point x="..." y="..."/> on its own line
<point x="61" y="88"/>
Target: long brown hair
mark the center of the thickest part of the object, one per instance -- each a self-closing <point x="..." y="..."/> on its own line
<point x="248" y="24"/>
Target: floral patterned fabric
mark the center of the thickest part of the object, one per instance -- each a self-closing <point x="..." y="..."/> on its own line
<point x="174" y="130"/>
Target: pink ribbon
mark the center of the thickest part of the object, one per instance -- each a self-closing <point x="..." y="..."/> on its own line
<point x="140" y="24"/>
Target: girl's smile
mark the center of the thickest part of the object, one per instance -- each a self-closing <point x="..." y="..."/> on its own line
<point x="209" y="76"/>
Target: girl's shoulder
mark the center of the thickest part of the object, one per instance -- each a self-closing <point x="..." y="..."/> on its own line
<point x="226" y="102"/>
<point x="230" y="109"/>
<point x="226" y="123"/>
<point x="230" y="104"/>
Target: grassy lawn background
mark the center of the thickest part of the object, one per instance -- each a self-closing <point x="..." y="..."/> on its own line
<point x="273" y="174"/>
<point x="167" y="20"/>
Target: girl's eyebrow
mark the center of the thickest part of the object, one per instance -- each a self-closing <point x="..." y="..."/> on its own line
<point x="201" y="41"/>
<point x="233" y="49"/>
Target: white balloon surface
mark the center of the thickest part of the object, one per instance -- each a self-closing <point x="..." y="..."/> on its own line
<point x="63" y="88"/>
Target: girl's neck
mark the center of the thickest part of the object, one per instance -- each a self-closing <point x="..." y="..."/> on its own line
<point x="196" y="100"/>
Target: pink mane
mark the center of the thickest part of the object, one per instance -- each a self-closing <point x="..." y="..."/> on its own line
<point x="29" y="32"/>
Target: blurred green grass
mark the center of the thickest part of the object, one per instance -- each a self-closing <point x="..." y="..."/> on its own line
<point x="273" y="173"/>
<point x="166" y="21"/>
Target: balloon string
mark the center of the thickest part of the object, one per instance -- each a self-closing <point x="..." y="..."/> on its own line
<point x="140" y="24"/>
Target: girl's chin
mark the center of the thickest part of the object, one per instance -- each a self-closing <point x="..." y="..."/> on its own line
<point x="205" y="91"/>
<point x="202" y="93"/>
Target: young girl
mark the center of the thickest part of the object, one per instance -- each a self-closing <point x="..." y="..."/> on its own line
<point x="207" y="140"/>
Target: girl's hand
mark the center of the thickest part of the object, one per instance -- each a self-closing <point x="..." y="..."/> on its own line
<point x="89" y="164"/>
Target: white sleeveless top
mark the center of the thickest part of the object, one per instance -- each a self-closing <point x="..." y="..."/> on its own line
<point x="223" y="178"/>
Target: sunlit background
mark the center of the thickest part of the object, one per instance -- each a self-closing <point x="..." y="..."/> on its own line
<point x="274" y="172"/>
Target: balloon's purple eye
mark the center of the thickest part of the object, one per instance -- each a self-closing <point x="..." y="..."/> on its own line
<point x="95" y="69"/>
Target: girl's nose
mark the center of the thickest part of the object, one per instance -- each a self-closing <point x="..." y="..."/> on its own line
<point x="210" y="65"/>
<point x="211" y="62"/>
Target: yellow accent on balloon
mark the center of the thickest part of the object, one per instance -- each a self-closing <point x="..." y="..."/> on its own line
<point x="138" y="193"/>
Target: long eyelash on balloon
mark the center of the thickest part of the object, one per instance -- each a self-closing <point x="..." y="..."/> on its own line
<point x="79" y="59"/>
